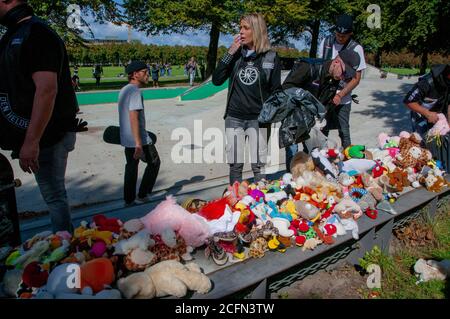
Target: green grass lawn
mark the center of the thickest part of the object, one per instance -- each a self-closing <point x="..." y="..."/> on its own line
<point x="113" y="71"/>
<point x="111" y="80"/>
<point x="403" y="71"/>
<point x="398" y="279"/>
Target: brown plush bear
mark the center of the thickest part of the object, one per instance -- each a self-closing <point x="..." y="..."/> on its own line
<point x="398" y="179"/>
<point x="411" y="153"/>
<point x="300" y="163"/>
<point x="434" y="183"/>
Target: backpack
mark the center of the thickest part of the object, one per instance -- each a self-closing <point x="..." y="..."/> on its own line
<point x="316" y="66"/>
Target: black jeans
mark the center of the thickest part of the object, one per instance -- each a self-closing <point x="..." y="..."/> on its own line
<point x="338" y="117"/>
<point x="131" y="173"/>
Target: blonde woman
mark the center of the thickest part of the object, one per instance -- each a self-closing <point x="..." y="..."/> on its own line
<point x="254" y="71"/>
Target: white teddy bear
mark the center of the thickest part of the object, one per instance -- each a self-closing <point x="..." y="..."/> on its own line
<point x="168" y="277"/>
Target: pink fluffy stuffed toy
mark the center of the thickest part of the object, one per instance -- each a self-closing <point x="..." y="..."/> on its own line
<point x="168" y="214"/>
<point x="441" y="127"/>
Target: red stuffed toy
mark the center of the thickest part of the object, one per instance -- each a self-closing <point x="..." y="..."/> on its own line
<point x="34" y="276"/>
<point x="107" y="224"/>
<point x="96" y="274"/>
<point x="214" y="209"/>
<point x="378" y="170"/>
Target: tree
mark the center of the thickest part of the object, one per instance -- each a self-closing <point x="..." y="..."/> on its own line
<point x="417" y="26"/>
<point x="166" y="16"/>
<point x="428" y="28"/>
<point x="285" y="18"/>
<point x="294" y="18"/>
<point x="55" y="12"/>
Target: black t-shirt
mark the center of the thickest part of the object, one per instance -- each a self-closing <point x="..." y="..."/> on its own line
<point x="250" y="87"/>
<point x="43" y="51"/>
<point x="426" y="94"/>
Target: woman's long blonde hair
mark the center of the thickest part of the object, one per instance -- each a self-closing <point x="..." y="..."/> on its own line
<point x="259" y="29"/>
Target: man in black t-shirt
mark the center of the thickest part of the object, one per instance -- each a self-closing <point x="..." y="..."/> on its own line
<point x="38" y="105"/>
<point x="322" y="79"/>
<point x="428" y="97"/>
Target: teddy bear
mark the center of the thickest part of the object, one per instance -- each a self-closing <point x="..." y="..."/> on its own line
<point x="398" y="179"/>
<point x="432" y="270"/>
<point x="130" y="228"/>
<point x="192" y="227"/>
<point x="166" y="278"/>
<point x="372" y="186"/>
<point x="384" y="158"/>
<point x="385" y="141"/>
<point x="440" y="128"/>
<point x="433" y="182"/>
<point x="300" y="163"/>
<point x="347" y="209"/>
<point x="411" y="153"/>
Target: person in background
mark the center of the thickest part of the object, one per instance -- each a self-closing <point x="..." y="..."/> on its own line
<point x="134" y="137"/>
<point x="97" y="73"/>
<point x="339" y="116"/>
<point x="162" y="69"/>
<point x="429" y="97"/>
<point x="76" y="79"/>
<point x="254" y="71"/>
<point x="191" y="70"/>
<point x="155" y="75"/>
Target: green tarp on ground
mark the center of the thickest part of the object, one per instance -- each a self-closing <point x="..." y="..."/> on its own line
<point x="203" y="91"/>
<point x="113" y="96"/>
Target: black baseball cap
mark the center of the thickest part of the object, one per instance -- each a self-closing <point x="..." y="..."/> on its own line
<point x="351" y="60"/>
<point x="135" y="66"/>
<point x="344" y="24"/>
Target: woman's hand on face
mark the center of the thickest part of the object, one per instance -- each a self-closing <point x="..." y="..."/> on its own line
<point x="235" y="45"/>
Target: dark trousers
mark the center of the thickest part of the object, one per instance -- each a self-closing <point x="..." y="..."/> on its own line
<point x="237" y="132"/>
<point x="131" y="173"/>
<point x="338" y="117"/>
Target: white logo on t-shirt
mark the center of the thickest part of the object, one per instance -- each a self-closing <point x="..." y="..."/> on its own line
<point x="248" y="75"/>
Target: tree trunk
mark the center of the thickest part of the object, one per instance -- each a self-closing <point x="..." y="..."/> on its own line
<point x="378" y="58"/>
<point x="423" y="62"/>
<point x="315" y="29"/>
<point x="211" y="57"/>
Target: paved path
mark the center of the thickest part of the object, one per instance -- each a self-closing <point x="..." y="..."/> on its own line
<point x="95" y="169"/>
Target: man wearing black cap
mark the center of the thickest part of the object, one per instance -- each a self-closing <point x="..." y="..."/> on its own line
<point x="38" y="105"/>
<point x="322" y="80"/>
<point x="329" y="48"/>
<point x="134" y="137"/>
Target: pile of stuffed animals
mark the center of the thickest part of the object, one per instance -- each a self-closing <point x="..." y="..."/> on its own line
<point x="323" y="197"/>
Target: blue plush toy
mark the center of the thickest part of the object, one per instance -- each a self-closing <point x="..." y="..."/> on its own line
<point x="276" y="213"/>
